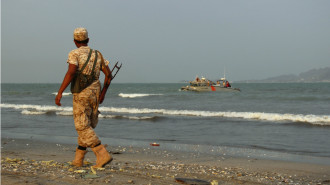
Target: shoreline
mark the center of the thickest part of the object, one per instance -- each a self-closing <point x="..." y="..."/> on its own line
<point x="30" y="161"/>
<point x="197" y="149"/>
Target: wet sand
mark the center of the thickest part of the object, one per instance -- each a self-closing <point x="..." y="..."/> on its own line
<point x="27" y="161"/>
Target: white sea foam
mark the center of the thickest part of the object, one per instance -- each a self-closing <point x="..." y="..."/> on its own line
<point x="107" y="116"/>
<point x="127" y="117"/>
<point x="41" y="108"/>
<point x="141" y="118"/>
<point x="314" y="119"/>
<point x="65" y="113"/>
<point x="27" y="112"/>
<point x="277" y="117"/>
<point x="63" y="94"/>
<point x="136" y="95"/>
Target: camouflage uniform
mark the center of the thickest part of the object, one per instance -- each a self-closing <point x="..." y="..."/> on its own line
<point x="86" y="103"/>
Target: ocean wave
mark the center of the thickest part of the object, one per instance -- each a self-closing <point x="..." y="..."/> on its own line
<point x="40" y="108"/>
<point x="136" y="95"/>
<point x="313" y="119"/>
<point x="323" y="120"/>
<point x="63" y="94"/>
<point x="128" y="117"/>
<point x="28" y="112"/>
<point x="65" y="113"/>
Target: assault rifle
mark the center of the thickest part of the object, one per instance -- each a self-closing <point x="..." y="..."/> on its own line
<point x="117" y="69"/>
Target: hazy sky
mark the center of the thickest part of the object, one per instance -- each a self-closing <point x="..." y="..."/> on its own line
<point x="167" y="40"/>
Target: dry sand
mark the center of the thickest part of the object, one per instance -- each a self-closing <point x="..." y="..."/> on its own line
<point x="27" y="161"/>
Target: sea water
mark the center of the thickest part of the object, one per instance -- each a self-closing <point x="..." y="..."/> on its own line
<point x="274" y="121"/>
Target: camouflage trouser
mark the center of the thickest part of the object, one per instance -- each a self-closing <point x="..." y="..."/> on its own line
<point x="85" y="114"/>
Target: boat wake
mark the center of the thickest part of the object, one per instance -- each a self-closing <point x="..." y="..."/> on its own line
<point x="152" y="114"/>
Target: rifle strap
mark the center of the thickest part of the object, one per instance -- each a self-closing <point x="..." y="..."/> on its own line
<point x="88" y="58"/>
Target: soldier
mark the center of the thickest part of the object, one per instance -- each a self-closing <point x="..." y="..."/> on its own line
<point x="86" y="102"/>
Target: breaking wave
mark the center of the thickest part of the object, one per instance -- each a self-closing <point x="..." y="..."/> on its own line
<point x="323" y="120"/>
<point x="136" y="95"/>
<point x="41" y="108"/>
<point x="28" y="112"/>
<point x="151" y="118"/>
<point x="65" y="113"/>
<point x="314" y="119"/>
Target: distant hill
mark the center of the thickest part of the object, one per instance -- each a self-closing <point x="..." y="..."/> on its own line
<point x="314" y="75"/>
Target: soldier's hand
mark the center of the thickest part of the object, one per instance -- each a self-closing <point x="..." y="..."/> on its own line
<point x="58" y="99"/>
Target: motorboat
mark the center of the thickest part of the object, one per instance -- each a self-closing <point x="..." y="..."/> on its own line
<point x="206" y="85"/>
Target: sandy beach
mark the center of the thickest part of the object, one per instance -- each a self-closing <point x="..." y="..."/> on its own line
<point x="27" y="161"/>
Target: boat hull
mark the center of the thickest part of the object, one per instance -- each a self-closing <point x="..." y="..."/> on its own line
<point x="209" y="89"/>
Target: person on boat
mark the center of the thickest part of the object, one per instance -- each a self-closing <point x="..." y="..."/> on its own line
<point x="87" y="100"/>
<point x="228" y="84"/>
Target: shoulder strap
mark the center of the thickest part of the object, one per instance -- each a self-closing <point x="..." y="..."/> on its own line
<point x="95" y="60"/>
<point x="89" y="57"/>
